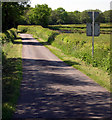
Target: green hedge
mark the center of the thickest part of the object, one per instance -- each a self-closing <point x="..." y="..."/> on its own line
<point x="7" y="40"/>
<point x="8" y="36"/>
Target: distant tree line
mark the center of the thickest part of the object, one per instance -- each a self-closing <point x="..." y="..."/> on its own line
<point x="22" y="13"/>
<point x="43" y="15"/>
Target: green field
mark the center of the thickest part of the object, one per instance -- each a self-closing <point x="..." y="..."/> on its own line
<point x="78" y="46"/>
<point x="81" y="28"/>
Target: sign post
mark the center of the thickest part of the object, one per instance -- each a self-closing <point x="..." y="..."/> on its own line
<point x="93" y="35"/>
<point x="93" y="29"/>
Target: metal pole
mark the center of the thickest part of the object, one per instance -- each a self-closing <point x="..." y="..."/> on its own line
<point x="93" y="35"/>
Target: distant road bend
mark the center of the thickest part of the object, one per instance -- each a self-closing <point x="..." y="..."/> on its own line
<point x="52" y="89"/>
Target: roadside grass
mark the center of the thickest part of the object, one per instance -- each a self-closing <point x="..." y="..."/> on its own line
<point x="80" y="46"/>
<point x="99" y="76"/>
<point x="12" y="76"/>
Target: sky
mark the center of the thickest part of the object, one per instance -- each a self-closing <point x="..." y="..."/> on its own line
<point x="72" y="5"/>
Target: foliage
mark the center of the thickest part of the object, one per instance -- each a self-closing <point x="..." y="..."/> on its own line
<point x="61" y="16"/>
<point x="38" y="15"/>
<point x="43" y="15"/>
<point x="11" y="12"/>
<point x="79" y="45"/>
<point x="15" y="13"/>
<point x="9" y="36"/>
<point x="30" y="17"/>
<point x="53" y="17"/>
<point x="73" y="17"/>
<point x="84" y="17"/>
<point x="107" y="15"/>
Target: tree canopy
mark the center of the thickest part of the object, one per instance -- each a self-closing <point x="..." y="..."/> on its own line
<point x="14" y="13"/>
<point x="11" y="12"/>
<point x="42" y="13"/>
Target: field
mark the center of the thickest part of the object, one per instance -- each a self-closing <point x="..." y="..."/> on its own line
<point x="77" y="45"/>
<point x="80" y="28"/>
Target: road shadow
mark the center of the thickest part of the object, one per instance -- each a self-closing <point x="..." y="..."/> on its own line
<point x="28" y="39"/>
<point x="52" y="89"/>
<point x="16" y="40"/>
<point x="11" y="76"/>
<point x="71" y="63"/>
<point x="24" y="42"/>
<point x="32" y="43"/>
<point x="52" y="37"/>
<point x="50" y="40"/>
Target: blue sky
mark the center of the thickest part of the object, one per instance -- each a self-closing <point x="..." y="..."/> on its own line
<point x="72" y="5"/>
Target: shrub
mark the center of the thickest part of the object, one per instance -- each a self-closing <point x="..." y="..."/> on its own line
<point x="9" y="36"/>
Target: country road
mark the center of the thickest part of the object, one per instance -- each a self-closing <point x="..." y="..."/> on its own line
<point x="52" y="89"/>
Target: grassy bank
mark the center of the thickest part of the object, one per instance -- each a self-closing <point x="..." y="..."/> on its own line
<point x="80" y="46"/>
<point x="12" y="73"/>
<point x="77" y="46"/>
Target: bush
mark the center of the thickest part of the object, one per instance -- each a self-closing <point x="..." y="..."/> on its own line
<point x="9" y="36"/>
<point x="22" y="29"/>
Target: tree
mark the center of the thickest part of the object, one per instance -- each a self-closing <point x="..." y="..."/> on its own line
<point x="41" y="14"/>
<point x="101" y="18"/>
<point x="53" y="17"/>
<point x="84" y="18"/>
<point x="108" y="16"/>
<point x="30" y="16"/>
<point x="11" y="12"/>
<point x="61" y="15"/>
<point x="71" y="19"/>
<point x="77" y="16"/>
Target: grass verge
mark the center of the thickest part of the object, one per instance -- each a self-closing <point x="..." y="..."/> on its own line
<point x="99" y="76"/>
<point x="12" y="76"/>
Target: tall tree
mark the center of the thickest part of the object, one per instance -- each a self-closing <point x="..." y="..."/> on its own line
<point x="71" y="18"/>
<point x="84" y="18"/>
<point x="108" y="16"/>
<point x="41" y="14"/>
<point x="77" y="16"/>
<point x="30" y="16"/>
<point x="53" y="17"/>
<point x="61" y="15"/>
<point x="11" y="12"/>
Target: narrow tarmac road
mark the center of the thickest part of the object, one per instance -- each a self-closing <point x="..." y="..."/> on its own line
<point x="52" y="89"/>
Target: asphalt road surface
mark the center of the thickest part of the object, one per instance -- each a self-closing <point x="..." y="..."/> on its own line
<point x="52" y="89"/>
